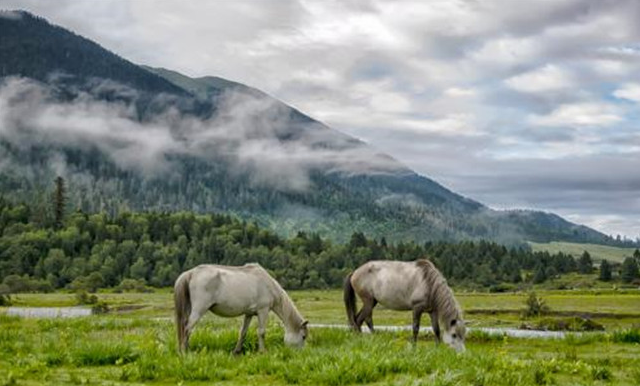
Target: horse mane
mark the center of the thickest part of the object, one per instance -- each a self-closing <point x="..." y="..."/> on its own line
<point x="284" y="306"/>
<point x="440" y="297"/>
<point x="289" y="313"/>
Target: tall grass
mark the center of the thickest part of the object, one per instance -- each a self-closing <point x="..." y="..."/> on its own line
<point x="630" y="335"/>
<point x="104" y="350"/>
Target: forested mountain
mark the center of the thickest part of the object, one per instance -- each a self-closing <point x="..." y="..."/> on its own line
<point x="89" y="251"/>
<point x="132" y="138"/>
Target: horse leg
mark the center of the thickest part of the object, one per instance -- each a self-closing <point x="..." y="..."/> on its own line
<point x="243" y="334"/>
<point x="436" y="326"/>
<point x="358" y="326"/>
<point x="369" y="319"/>
<point x="194" y="316"/>
<point x="263" y="317"/>
<point x="417" y="314"/>
<point x="365" y="312"/>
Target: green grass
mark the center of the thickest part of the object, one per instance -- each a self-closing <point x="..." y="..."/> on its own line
<point x="619" y="308"/>
<point x="597" y="252"/>
<point x="84" y="351"/>
<point x="137" y="347"/>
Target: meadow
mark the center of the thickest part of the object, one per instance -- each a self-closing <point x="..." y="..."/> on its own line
<point x="597" y="251"/>
<point x="135" y="344"/>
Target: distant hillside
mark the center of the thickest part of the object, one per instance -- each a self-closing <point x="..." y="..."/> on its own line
<point x="597" y="252"/>
<point x="127" y="137"/>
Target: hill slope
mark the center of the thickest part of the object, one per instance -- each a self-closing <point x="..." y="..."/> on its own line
<point x="137" y="138"/>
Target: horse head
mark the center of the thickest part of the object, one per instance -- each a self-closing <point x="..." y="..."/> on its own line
<point x="454" y="334"/>
<point x="297" y="336"/>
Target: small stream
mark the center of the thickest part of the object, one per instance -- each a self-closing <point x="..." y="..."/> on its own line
<point x="49" y="312"/>
<point x="74" y="312"/>
<point x="512" y="332"/>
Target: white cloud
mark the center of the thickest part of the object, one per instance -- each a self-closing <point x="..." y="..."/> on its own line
<point x="447" y="84"/>
<point x="460" y="92"/>
<point x="507" y="52"/>
<point x="587" y="114"/>
<point x="629" y="91"/>
<point x="546" y="79"/>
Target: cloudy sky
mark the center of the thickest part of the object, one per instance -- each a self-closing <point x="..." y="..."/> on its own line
<point x="527" y="104"/>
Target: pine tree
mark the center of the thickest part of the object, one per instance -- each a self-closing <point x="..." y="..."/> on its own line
<point x="605" y="271"/>
<point x="59" y="202"/>
<point x="540" y="275"/>
<point x="629" y="271"/>
<point x="585" y="265"/>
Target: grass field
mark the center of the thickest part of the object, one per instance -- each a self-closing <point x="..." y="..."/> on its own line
<point x="597" y="252"/>
<point x="136" y="346"/>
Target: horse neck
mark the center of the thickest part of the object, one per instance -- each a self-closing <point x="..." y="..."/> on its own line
<point x="445" y="305"/>
<point x="287" y="311"/>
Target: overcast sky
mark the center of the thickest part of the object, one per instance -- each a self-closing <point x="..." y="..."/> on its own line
<point x="517" y="104"/>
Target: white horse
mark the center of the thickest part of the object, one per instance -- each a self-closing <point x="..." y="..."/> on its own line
<point x="233" y="291"/>
<point x="406" y="286"/>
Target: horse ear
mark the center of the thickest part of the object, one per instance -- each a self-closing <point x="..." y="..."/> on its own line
<point x="304" y="323"/>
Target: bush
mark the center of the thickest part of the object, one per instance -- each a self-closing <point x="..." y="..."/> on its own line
<point x="631" y="335"/>
<point x="82" y="297"/>
<point x="565" y="324"/>
<point x="132" y="285"/>
<point x="100" y="308"/>
<point x="535" y="306"/>
<point x="5" y="300"/>
<point x="89" y="283"/>
<point x="16" y="284"/>
<point x="502" y="287"/>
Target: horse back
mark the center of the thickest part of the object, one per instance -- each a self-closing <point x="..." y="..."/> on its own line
<point x="234" y="290"/>
<point x="394" y="284"/>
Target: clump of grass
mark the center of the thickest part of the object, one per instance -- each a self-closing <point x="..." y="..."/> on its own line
<point x="82" y="298"/>
<point x="631" y="335"/>
<point x="535" y="306"/>
<point x="102" y="353"/>
<point x="601" y="373"/>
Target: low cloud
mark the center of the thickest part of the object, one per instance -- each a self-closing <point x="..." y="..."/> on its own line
<point x="541" y="80"/>
<point x="255" y="136"/>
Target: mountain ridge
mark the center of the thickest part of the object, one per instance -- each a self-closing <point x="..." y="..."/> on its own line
<point x="227" y="147"/>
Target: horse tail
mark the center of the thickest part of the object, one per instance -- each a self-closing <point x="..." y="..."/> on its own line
<point x="182" y="299"/>
<point x="350" y="301"/>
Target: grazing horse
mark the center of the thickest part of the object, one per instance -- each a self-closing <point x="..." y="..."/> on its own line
<point x="405" y="286"/>
<point x="233" y="291"/>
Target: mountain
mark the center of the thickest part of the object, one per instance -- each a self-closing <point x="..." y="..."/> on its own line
<point x="129" y="137"/>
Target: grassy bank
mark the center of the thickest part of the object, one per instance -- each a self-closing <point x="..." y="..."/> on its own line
<point x="136" y="346"/>
<point x="114" y="350"/>
<point x="614" y="309"/>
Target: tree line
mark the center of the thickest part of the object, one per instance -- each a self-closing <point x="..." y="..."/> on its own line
<point x="90" y="251"/>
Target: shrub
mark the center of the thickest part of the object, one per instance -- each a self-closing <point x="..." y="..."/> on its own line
<point x="100" y="308"/>
<point x="82" y="297"/>
<point x="502" y="287"/>
<point x="89" y="283"/>
<point x="132" y="285"/>
<point x="535" y="306"/>
<point x="5" y="300"/>
<point x="566" y="324"/>
<point x="631" y="335"/>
